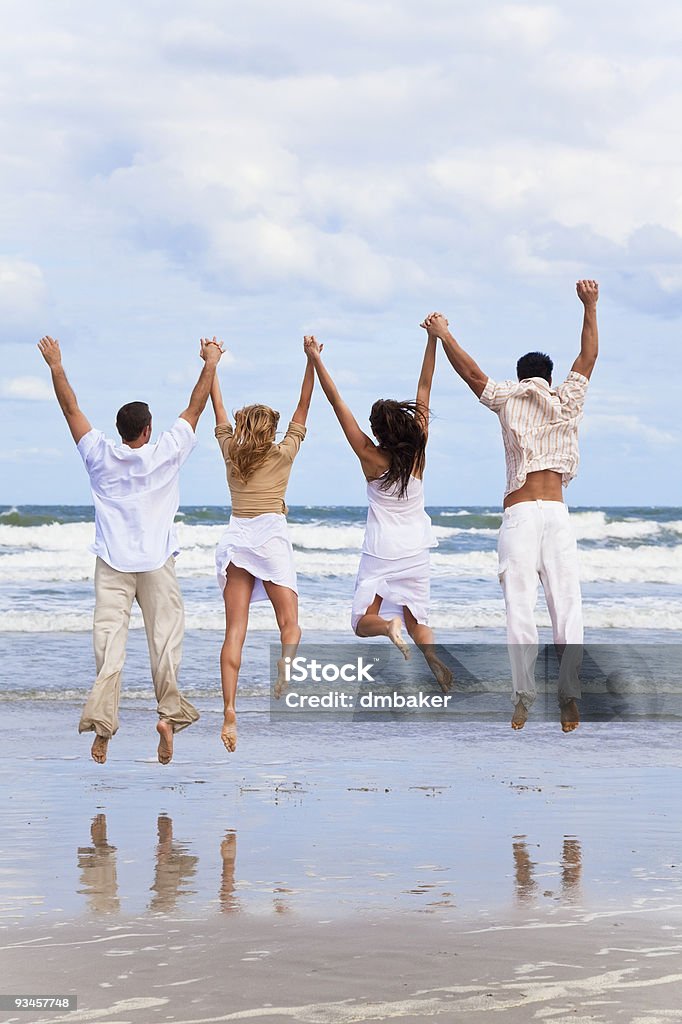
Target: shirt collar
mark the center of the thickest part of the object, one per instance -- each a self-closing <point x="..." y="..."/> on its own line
<point x="538" y="381"/>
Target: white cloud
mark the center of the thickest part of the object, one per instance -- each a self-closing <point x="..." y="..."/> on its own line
<point x="28" y="389"/>
<point x="29" y="454"/>
<point x="628" y="425"/>
<point x="22" y="289"/>
<point x="264" y="169"/>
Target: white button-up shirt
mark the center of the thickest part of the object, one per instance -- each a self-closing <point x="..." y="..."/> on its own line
<point x="136" y="494"/>
<point x="539" y="425"/>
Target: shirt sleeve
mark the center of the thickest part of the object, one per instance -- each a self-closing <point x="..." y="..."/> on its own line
<point x="223" y="434"/>
<point x="496" y="393"/>
<point x="291" y="442"/>
<point x="89" y="447"/>
<point x="184" y="438"/>
<point x="572" y="393"/>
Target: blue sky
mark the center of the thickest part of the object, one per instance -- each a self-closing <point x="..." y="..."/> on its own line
<point x="263" y="170"/>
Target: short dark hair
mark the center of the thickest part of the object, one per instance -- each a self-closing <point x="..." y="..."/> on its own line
<point x="132" y="419"/>
<point x="535" y="364"/>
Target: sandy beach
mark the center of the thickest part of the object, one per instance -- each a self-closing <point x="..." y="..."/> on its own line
<point x="345" y="872"/>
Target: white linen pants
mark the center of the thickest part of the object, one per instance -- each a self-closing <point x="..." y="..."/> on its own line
<point x="158" y="595"/>
<point x="536" y="543"/>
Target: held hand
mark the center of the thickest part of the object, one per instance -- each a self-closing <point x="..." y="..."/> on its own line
<point x="50" y="350"/>
<point x="435" y="324"/>
<point x="312" y="347"/>
<point x="588" y="292"/>
<point x="211" y="350"/>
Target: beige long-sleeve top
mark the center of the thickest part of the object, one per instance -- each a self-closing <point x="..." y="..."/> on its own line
<point x="265" y="489"/>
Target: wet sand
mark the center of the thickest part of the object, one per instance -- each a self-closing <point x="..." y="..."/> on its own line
<point x="614" y="968"/>
<point x="337" y="872"/>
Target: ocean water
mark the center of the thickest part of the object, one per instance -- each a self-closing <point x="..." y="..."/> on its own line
<point x="450" y="816"/>
<point x="631" y="568"/>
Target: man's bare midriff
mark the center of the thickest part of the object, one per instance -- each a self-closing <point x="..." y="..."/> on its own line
<point x="543" y="485"/>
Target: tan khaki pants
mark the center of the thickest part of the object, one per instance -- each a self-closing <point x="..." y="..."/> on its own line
<point x="160" y="600"/>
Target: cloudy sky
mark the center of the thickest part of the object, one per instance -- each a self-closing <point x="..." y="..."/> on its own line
<point x="264" y="169"/>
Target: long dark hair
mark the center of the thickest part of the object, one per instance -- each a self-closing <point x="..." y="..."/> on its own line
<point x="400" y="429"/>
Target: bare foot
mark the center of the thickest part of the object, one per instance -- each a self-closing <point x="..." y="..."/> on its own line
<point x="99" y="749"/>
<point x="520" y="716"/>
<point x="229" y="733"/>
<point x="442" y="673"/>
<point x="395" y="635"/>
<point x="570" y="716"/>
<point x="281" y="682"/>
<point x="165" y="751"/>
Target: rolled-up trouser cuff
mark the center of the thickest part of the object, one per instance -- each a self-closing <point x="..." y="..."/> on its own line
<point x="87" y="725"/>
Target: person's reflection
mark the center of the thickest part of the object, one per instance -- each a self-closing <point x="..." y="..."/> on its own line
<point x="523" y="870"/>
<point x="174" y="867"/>
<point x="228" y="852"/>
<point x="97" y="865"/>
<point x="571" y="867"/>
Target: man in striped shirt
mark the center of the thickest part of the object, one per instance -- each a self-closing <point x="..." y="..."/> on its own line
<point x="536" y="542"/>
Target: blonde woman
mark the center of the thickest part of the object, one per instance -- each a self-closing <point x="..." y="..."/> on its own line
<point x="254" y="558"/>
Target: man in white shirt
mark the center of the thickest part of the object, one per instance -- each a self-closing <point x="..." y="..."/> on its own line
<point x="135" y="490"/>
<point x="536" y="542"/>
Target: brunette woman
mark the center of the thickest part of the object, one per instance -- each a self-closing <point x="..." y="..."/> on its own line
<point x="393" y="576"/>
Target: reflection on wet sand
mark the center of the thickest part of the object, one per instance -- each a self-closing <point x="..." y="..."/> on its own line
<point x="523" y="870"/>
<point x="174" y="868"/>
<point x="526" y="887"/>
<point x="571" y="867"/>
<point x="97" y="865"/>
<point x="228" y="851"/>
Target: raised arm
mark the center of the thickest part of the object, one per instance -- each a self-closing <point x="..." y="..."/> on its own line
<point x="588" y="293"/>
<point x="361" y="443"/>
<point x="470" y="372"/>
<point x="217" y="402"/>
<point x="425" y="379"/>
<point x="76" y="419"/>
<point x="301" y="410"/>
<point x="210" y="352"/>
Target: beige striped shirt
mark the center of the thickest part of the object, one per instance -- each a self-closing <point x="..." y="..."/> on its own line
<point x="539" y="425"/>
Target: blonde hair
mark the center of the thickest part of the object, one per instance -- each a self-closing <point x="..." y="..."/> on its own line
<point x="254" y="433"/>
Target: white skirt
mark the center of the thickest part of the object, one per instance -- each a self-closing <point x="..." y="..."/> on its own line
<point x="261" y="545"/>
<point x="399" y="582"/>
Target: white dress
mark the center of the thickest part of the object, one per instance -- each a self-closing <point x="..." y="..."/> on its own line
<point x="395" y="553"/>
<point x="262" y="546"/>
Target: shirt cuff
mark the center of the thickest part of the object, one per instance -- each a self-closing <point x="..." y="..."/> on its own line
<point x="486" y="395"/>
<point x="223" y="430"/>
<point x="296" y="428"/>
<point x="579" y="378"/>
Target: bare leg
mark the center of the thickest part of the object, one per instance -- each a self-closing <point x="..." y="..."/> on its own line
<point x="285" y="603"/>
<point x="237" y="595"/>
<point x="423" y="637"/>
<point x="372" y="624"/>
